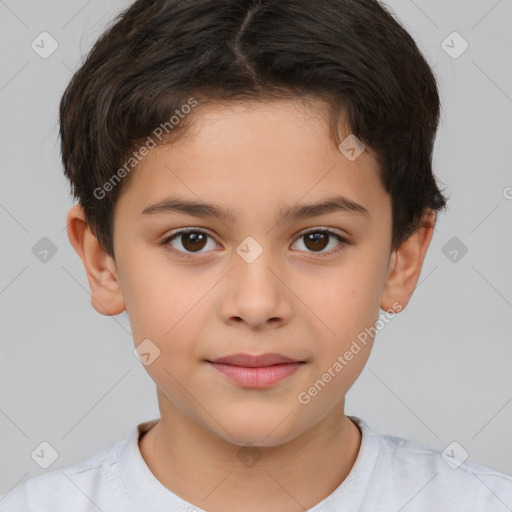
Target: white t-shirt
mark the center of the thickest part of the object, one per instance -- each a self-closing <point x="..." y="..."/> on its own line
<point x="390" y="474"/>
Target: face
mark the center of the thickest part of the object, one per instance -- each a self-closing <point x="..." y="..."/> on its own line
<point x="256" y="281"/>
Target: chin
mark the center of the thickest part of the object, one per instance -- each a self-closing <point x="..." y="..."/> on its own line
<point x="260" y="433"/>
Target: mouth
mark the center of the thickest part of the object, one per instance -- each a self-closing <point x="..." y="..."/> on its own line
<point x="256" y="371"/>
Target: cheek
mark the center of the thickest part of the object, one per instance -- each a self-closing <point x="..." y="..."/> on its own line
<point x="349" y="306"/>
<point x="349" y="299"/>
<point x="167" y="304"/>
<point x="172" y="337"/>
<point x="160" y="302"/>
<point x="341" y="357"/>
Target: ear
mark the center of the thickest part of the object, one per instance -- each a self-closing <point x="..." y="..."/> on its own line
<point x="405" y="265"/>
<point x="106" y="295"/>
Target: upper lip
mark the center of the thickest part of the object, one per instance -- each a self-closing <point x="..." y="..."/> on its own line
<point x="250" y="361"/>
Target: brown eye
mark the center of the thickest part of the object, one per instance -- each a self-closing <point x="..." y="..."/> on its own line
<point x="193" y="241"/>
<point x="187" y="242"/>
<point x="316" y="241"/>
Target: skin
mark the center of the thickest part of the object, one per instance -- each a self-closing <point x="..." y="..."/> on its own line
<point x="254" y="158"/>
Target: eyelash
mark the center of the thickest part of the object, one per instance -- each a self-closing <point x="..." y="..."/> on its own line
<point x="170" y="249"/>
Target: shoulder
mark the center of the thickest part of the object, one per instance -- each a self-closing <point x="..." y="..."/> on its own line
<point x="78" y="487"/>
<point x="443" y="479"/>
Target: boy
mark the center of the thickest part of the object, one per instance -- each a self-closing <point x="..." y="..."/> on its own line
<point x="255" y="183"/>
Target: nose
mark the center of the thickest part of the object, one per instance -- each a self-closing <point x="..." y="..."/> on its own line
<point x="256" y="293"/>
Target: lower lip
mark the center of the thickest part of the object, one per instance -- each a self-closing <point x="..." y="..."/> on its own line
<point x="260" y="377"/>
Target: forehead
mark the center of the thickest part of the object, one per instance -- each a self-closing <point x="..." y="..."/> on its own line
<point x="255" y="157"/>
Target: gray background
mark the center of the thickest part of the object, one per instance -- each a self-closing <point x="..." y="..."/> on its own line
<point x="440" y="371"/>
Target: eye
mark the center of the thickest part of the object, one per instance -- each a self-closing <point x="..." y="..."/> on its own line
<point x="317" y="240"/>
<point x="193" y="240"/>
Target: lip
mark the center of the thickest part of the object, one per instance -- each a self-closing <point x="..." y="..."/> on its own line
<point x="256" y="371"/>
<point x="251" y="361"/>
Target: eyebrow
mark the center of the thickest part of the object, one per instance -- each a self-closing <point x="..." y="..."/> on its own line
<point x="200" y="209"/>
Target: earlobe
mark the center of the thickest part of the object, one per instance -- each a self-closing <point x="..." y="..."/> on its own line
<point x="406" y="263"/>
<point x="106" y="294"/>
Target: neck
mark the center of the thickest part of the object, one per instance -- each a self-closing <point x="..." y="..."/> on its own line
<point x="216" y="475"/>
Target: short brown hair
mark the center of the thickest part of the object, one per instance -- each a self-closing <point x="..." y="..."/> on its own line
<point x="158" y="54"/>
